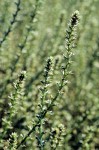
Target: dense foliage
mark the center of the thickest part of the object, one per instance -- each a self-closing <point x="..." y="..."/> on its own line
<point x="49" y="70"/>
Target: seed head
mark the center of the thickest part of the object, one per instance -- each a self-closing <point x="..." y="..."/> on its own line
<point x="75" y="18"/>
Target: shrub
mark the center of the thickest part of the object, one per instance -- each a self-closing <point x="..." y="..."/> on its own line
<point x="49" y="96"/>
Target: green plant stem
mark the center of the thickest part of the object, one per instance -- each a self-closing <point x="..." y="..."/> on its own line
<point x="28" y="134"/>
<point x="43" y="115"/>
<point x="11" y="23"/>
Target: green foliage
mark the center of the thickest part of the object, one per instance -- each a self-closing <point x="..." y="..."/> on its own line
<point x="49" y="97"/>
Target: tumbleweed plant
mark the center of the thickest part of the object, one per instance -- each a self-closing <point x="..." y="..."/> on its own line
<point x="49" y="68"/>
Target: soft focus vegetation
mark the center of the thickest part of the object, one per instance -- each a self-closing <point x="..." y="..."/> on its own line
<point x="49" y="70"/>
